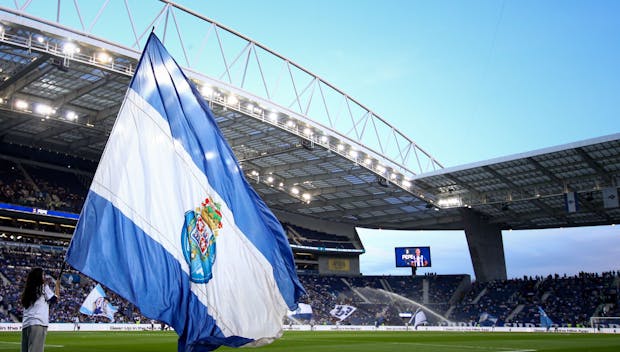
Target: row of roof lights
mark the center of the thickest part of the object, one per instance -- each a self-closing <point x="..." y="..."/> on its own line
<point x="270" y="180"/>
<point x="232" y="100"/>
<point x="71" y="48"/>
<point x="43" y="109"/>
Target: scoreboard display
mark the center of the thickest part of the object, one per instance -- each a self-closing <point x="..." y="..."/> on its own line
<point x="413" y="257"/>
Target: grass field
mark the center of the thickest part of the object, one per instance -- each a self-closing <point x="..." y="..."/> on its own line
<point x="336" y="342"/>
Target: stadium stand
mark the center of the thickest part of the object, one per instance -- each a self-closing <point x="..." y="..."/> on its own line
<point x="569" y="301"/>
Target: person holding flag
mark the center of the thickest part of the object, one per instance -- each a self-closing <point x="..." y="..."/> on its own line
<point x="36" y="299"/>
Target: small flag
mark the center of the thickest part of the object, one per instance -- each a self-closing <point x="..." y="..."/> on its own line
<point x="171" y="224"/>
<point x="96" y="304"/>
<point x="545" y="321"/>
<point x="610" y="197"/>
<point x="572" y="202"/>
<point x="487" y="319"/>
<point x="303" y="311"/>
<point x="418" y="318"/>
<point x="342" y="311"/>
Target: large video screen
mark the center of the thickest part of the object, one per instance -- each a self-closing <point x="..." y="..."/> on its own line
<point x="419" y="257"/>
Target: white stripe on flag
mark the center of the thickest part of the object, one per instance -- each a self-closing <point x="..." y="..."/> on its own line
<point x="140" y="190"/>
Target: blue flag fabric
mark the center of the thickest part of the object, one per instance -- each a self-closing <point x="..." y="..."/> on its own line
<point x="171" y="224"/>
<point x="545" y="321"/>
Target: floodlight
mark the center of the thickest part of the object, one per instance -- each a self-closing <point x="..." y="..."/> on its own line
<point x="21" y="104"/>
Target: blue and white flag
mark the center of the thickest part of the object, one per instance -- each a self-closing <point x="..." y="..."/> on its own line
<point x="96" y="304"/>
<point x="571" y="202"/>
<point x="418" y="318"/>
<point x="171" y="224"/>
<point x="342" y="311"/>
<point x="610" y="197"/>
<point x="487" y="319"/>
<point x="304" y="311"/>
<point x="545" y="321"/>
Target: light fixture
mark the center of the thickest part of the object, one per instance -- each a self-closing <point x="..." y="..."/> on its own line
<point x="340" y="147"/>
<point x="295" y="190"/>
<point x="273" y="116"/>
<point x="40" y="38"/>
<point x="449" y="202"/>
<point x="367" y="161"/>
<point x="206" y="91"/>
<point x="232" y="100"/>
<point x="306" y="196"/>
<point x="407" y="184"/>
<point x="104" y="57"/>
<point x="71" y="116"/>
<point x="353" y="153"/>
<point x="43" y="109"/>
<point x="380" y="169"/>
<point x="290" y="123"/>
<point x="307" y="131"/>
<point x="70" y="48"/>
<point x="324" y="139"/>
<point x="270" y="179"/>
<point x="21" y="104"/>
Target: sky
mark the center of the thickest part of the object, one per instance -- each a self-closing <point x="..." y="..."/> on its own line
<point x="468" y="81"/>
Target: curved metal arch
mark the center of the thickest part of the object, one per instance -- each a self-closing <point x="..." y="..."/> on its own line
<point x="245" y="66"/>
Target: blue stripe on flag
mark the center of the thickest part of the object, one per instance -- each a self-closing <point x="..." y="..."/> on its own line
<point x="162" y="292"/>
<point x="193" y="125"/>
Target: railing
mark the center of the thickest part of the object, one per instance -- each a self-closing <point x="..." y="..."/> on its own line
<point x="205" y="46"/>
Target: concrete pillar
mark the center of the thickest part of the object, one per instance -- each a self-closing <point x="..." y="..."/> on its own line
<point x="485" y="247"/>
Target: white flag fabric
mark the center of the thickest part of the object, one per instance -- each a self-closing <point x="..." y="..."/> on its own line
<point x="171" y="224"/>
<point x="342" y="311"/>
<point x="419" y="318"/>
<point x="96" y="304"/>
<point x="303" y="311"/>
<point x="610" y="197"/>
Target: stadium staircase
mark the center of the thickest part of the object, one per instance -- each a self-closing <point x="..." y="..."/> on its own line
<point x="480" y="295"/>
<point x="461" y="290"/>
<point x="515" y="312"/>
<point x="355" y="290"/>
<point x="5" y="280"/>
<point x="386" y="285"/>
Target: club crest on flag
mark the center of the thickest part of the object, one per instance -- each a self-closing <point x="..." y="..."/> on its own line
<point x="198" y="239"/>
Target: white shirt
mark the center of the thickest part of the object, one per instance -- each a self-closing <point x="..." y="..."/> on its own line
<point x="419" y="260"/>
<point x="39" y="312"/>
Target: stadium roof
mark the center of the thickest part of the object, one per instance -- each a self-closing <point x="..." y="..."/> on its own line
<point x="56" y="97"/>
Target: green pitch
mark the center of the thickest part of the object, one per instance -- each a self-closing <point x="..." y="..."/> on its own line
<point x="336" y="342"/>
